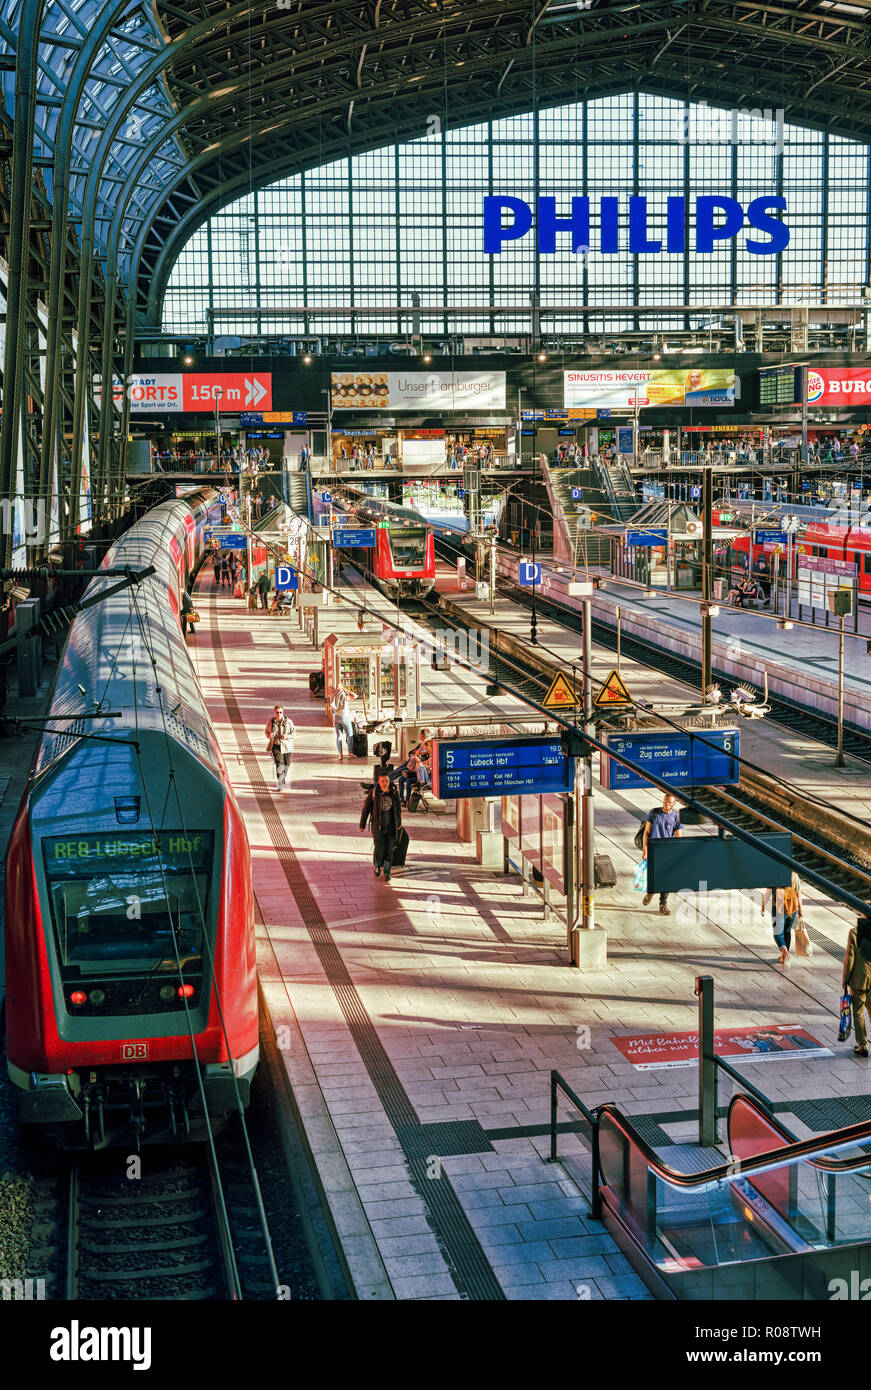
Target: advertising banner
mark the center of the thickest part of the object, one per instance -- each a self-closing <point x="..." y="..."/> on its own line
<point x="664" y="1051"/>
<point x="171" y="393"/>
<point x="621" y="390"/>
<point x="839" y="386"/>
<point x="418" y="390"/>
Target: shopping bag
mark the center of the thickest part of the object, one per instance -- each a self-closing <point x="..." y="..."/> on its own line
<point x="803" y="945"/>
<point x="640" y="881"/>
<point x="846" y="1018"/>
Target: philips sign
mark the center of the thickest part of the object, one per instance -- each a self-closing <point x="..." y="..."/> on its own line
<point x="718" y="219"/>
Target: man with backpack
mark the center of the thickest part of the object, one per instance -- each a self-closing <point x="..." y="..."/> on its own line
<point x="663" y="823"/>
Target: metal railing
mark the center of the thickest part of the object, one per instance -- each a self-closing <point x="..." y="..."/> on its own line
<point x="816" y="1150"/>
<point x="559" y="1083"/>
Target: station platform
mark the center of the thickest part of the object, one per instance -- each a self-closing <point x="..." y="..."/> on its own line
<point x="777" y="752"/>
<point x="419" y="1020"/>
<point x="801" y="662"/>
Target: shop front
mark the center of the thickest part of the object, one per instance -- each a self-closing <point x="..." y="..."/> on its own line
<point x="360" y="446"/>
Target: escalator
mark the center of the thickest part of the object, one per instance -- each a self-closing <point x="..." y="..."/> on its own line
<point x="780" y="1218"/>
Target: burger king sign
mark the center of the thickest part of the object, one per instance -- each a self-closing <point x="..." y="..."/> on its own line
<point x="839" y="386"/>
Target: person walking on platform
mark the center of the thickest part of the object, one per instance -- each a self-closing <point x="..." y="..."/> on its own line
<point x="786" y="910"/>
<point x="216" y="567"/>
<point x="187" y="608"/>
<point x="857" y="979"/>
<point x="262" y="589"/>
<point x="663" y="823"/>
<point x="340" y="705"/>
<point x="382" y="807"/>
<point x="279" y="742"/>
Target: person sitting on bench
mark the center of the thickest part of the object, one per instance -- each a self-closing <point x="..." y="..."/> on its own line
<point x="744" y="593"/>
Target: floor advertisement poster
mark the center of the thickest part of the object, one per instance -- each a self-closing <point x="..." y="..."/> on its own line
<point x="657" y="1051"/>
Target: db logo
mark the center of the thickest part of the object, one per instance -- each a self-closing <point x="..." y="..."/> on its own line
<point x="134" y="1052"/>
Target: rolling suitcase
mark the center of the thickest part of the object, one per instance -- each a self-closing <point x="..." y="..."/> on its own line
<point x="400" y="849"/>
<point x="360" y="744"/>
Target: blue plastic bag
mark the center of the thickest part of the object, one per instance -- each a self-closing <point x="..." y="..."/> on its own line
<point x="640" y="881"/>
<point x="846" y="1018"/>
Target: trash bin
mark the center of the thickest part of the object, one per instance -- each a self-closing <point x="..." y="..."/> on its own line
<point x="720" y="588"/>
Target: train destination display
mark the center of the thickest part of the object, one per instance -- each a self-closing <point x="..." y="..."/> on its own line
<point x="780" y="385"/>
<point x="704" y="759"/>
<point x="499" y="767"/>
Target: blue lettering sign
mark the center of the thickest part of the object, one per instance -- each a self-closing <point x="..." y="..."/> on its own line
<point x="286" y="578"/>
<point x="718" y="218"/>
<point x="500" y="767"/>
<point x="709" y="758"/>
<point x="528" y="575"/>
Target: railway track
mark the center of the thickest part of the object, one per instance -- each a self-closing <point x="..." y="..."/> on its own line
<point x="788" y="713"/>
<point x="161" y="1225"/>
<point x="813" y="851"/>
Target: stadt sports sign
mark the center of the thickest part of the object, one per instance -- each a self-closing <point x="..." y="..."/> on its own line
<point x="714" y="218"/>
<point x="173" y="393"/>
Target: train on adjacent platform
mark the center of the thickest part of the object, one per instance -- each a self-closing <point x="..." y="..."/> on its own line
<point x="817" y="537"/>
<point x="402" y="562"/>
<point x="131" y="1003"/>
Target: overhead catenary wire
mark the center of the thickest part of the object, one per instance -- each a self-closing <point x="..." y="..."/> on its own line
<point x="173" y="787"/>
<point x="555" y="717"/>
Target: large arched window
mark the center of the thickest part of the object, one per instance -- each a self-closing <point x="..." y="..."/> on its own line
<point x="375" y="228"/>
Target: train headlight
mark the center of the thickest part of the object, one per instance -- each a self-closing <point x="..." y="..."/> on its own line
<point x="168" y="992"/>
<point x="96" y="996"/>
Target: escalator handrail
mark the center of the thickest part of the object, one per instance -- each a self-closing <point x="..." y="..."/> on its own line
<point x="809" y="1149"/>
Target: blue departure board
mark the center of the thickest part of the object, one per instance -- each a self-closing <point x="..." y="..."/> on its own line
<point x="709" y="759"/>
<point x="499" y="767"/>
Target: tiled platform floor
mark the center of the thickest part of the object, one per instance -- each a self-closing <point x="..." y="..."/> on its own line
<point x="444" y="997"/>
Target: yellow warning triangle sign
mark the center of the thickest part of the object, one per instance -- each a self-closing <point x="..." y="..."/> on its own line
<point x="561" y="695"/>
<point x="613" y="692"/>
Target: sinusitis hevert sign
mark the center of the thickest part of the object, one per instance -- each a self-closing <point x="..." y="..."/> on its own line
<point x="717" y="220"/>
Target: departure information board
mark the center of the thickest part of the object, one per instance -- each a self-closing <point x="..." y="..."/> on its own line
<point x="780" y="385"/>
<point x="499" y="767"/>
<point x="708" y="759"/>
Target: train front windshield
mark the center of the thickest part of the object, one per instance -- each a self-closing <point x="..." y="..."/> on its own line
<point x="128" y="903"/>
<point x="408" y="547"/>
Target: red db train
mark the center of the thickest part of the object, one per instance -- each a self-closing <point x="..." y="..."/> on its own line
<point x="130" y="969"/>
<point x="402" y="563"/>
<point x="831" y="541"/>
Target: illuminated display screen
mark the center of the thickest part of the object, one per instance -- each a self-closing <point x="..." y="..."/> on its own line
<point x="780" y="385"/>
<point x="500" y="767"/>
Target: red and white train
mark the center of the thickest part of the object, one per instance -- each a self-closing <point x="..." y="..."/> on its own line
<point x="402" y="562"/>
<point x="131" y="1006"/>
